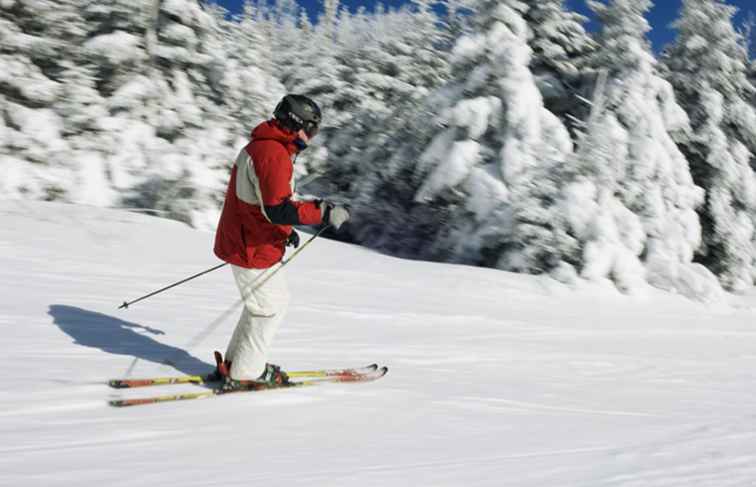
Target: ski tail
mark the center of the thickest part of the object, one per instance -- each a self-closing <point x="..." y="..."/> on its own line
<point x="159" y="381"/>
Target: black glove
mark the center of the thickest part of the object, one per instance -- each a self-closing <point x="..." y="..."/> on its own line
<point x="293" y="240"/>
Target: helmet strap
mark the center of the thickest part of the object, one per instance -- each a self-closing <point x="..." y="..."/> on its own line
<point x="301" y="144"/>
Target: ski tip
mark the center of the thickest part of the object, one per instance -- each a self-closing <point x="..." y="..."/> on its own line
<point x="116" y="383"/>
<point x="378" y="373"/>
<point x="367" y="377"/>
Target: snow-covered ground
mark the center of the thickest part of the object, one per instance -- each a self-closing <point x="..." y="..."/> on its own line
<point x="495" y="379"/>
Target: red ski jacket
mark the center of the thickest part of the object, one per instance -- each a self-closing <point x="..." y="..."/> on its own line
<point x="259" y="210"/>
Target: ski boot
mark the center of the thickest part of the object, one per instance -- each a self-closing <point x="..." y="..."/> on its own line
<point x="222" y="369"/>
<point x="272" y="376"/>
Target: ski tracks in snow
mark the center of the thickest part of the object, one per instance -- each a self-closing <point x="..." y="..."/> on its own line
<point x="511" y="406"/>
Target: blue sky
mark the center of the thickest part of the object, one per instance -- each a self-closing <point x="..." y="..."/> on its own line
<point x="660" y="17"/>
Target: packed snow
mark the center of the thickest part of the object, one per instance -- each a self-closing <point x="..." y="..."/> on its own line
<point x="495" y="379"/>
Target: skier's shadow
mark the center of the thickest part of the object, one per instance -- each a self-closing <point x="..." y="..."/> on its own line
<point x="114" y="335"/>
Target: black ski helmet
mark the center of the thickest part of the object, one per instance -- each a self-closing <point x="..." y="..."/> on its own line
<point x="298" y="112"/>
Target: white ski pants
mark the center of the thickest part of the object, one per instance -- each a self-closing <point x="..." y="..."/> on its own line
<point x="264" y="309"/>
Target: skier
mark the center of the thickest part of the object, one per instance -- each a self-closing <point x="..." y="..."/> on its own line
<point x="256" y="226"/>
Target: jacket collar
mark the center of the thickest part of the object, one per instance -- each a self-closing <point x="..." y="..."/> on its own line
<point x="272" y="130"/>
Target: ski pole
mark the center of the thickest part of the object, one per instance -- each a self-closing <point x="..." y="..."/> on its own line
<point x="262" y="278"/>
<point x="127" y="304"/>
<point x="256" y="284"/>
<point x="283" y="263"/>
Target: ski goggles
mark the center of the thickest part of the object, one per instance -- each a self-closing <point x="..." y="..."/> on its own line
<point x="311" y="128"/>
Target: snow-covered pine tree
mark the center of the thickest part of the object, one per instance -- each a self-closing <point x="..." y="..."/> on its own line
<point x="457" y="18"/>
<point x="189" y="64"/>
<point x="561" y="50"/>
<point x="417" y="44"/>
<point x="190" y="56"/>
<point x="314" y="70"/>
<point x="29" y="128"/>
<point x="633" y="203"/>
<point x="116" y="41"/>
<point x="287" y="30"/>
<point x="370" y="168"/>
<point x="752" y="79"/>
<point x="396" y="65"/>
<point x="708" y="67"/>
<point x="311" y="67"/>
<point x="483" y="180"/>
<point x="116" y="49"/>
<point x="384" y="212"/>
<point x="250" y="91"/>
<point x="158" y="66"/>
<point x="48" y="104"/>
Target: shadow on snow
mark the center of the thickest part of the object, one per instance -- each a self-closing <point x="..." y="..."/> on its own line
<point x="120" y="337"/>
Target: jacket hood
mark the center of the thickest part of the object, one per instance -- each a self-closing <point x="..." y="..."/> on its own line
<point x="271" y="130"/>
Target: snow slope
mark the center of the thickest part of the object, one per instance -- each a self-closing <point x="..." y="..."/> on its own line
<point x="495" y="379"/>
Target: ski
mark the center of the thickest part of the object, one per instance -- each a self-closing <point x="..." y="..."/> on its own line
<point x="208" y="379"/>
<point x="159" y="381"/>
<point x="252" y="386"/>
